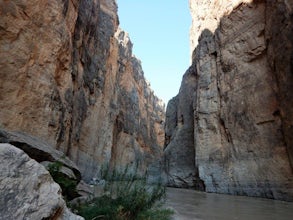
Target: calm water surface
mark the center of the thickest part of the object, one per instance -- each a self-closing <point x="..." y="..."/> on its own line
<point x="193" y="205"/>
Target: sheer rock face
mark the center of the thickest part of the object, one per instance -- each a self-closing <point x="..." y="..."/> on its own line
<point x="180" y="151"/>
<point x="207" y="15"/>
<point x="241" y="101"/>
<point x="27" y="189"/>
<point x="67" y="78"/>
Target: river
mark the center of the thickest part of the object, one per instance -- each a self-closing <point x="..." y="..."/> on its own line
<point x="194" y="205"/>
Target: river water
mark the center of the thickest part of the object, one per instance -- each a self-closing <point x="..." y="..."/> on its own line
<point x="193" y="205"/>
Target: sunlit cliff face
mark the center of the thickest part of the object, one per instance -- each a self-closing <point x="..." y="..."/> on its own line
<point x="207" y="18"/>
<point x="67" y="79"/>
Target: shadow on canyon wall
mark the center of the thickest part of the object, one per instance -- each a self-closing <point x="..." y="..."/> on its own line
<point x="229" y="130"/>
<point x="68" y="77"/>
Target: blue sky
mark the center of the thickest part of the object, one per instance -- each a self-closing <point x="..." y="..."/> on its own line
<point x="159" y="31"/>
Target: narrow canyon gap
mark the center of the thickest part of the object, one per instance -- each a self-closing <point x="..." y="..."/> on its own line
<point x="68" y="77"/>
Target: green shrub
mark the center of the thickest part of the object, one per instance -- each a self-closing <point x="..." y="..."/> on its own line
<point x="155" y="214"/>
<point x="67" y="185"/>
<point x="127" y="196"/>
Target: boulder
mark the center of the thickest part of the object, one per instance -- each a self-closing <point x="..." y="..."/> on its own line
<point x="39" y="150"/>
<point x="64" y="170"/>
<point x="84" y="189"/>
<point x="27" y="189"/>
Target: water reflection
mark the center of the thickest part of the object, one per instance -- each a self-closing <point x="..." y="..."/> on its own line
<point x="192" y="205"/>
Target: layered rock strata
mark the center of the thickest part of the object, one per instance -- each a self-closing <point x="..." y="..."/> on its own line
<point x="68" y="77"/>
<point x="239" y="100"/>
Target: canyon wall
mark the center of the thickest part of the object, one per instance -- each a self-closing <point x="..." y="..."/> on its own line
<point x="229" y="130"/>
<point x="68" y="76"/>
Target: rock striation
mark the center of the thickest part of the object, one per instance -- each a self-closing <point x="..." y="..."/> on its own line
<point x="234" y="108"/>
<point x="68" y="77"/>
<point x="27" y="189"/>
<point x="179" y="153"/>
<point x="39" y="150"/>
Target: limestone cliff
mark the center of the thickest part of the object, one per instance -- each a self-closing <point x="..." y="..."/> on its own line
<point x="234" y="109"/>
<point x="68" y="76"/>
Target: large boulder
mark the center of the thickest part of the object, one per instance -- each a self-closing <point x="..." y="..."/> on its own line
<point x="39" y="150"/>
<point x="27" y="189"/>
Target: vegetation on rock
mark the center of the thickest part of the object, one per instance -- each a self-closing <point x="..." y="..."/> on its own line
<point x="127" y="195"/>
<point x="67" y="185"/>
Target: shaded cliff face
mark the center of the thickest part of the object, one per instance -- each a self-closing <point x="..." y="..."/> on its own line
<point x="179" y="153"/>
<point x="68" y="76"/>
<point x="239" y="100"/>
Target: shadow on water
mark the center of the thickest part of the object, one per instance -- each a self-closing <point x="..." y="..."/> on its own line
<point x="194" y="205"/>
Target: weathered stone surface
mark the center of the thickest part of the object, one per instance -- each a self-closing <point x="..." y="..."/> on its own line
<point x="279" y="36"/>
<point x="242" y="104"/>
<point x="85" y="190"/>
<point x="86" y="193"/>
<point x="27" y="189"/>
<point x="207" y="14"/>
<point x="40" y="151"/>
<point x="64" y="171"/>
<point x="179" y="152"/>
<point x="139" y="124"/>
<point x="68" y="79"/>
